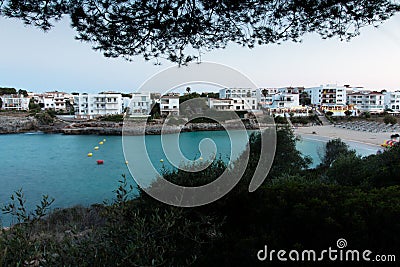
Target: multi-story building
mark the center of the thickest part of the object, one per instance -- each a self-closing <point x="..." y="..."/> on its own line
<point x="14" y="102"/>
<point x="220" y="104"/>
<point x="169" y="104"/>
<point x="392" y="101"/>
<point x="328" y="96"/>
<point x="56" y="100"/>
<point x="242" y="98"/>
<point x="366" y="101"/>
<point x="291" y="90"/>
<point x="267" y="95"/>
<point x="285" y="101"/>
<point x="89" y="106"/>
<point x="240" y="93"/>
<point x="140" y="104"/>
<point x="234" y="104"/>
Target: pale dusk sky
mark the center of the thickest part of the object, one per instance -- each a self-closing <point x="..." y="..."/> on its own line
<point x="36" y="61"/>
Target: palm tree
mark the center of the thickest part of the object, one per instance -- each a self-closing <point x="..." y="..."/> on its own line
<point x="264" y="93"/>
<point x="188" y="90"/>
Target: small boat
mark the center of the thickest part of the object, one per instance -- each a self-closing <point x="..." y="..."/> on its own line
<point x="100" y="162"/>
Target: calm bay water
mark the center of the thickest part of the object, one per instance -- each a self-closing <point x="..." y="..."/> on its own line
<point x="58" y="165"/>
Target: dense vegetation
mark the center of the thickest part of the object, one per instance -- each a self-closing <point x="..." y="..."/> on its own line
<point x="11" y="91"/>
<point x="113" y="118"/>
<point x="297" y="208"/>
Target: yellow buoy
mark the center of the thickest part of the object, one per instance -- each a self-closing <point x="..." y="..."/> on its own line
<point x="90" y="154"/>
<point x="161" y="160"/>
<point x="101" y="143"/>
<point x="96" y="148"/>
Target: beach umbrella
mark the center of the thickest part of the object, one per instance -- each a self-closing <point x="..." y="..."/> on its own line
<point x="389" y="143"/>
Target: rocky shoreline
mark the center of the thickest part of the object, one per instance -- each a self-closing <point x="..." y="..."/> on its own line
<point x="12" y="124"/>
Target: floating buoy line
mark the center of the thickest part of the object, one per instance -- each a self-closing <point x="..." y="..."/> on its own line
<point x="100" y="161"/>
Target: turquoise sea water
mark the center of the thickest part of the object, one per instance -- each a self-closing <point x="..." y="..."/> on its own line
<point x="312" y="146"/>
<point x="58" y="165"/>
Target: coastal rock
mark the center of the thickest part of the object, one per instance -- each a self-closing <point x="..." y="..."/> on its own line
<point x="17" y="124"/>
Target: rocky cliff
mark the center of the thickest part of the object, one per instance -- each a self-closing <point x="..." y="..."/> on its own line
<point x="17" y="124"/>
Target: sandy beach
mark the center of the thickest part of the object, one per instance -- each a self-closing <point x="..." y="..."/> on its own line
<point x="329" y="131"/>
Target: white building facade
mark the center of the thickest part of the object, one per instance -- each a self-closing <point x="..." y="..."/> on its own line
<point x="329" y="96"/>
<point x="285" y="101"/>
<point x="139" y="105"/>
<point x="392" y="101"/>
<point x="267" y="95"/>
<point x="169" y="104"/>
<point x="220" y="104"/>
<point x="366" y="101"/>
<point x="56" y="100"/>
<point x="89" y="106"/>
<point x="244" y="99"/>
<point x="240" y="93"/>
<point x="15" y="102"/>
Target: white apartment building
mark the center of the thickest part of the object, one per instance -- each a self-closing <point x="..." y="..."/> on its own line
<point x="392" y="101"/>
<point x="364" y="101"/>
<point x="55" y="100"/>
<point x="139" y="105"/>
<point x="328" y="96"/>
<point x="285" y="101"/>
<point x="234" y="104"/>
<point x="267" y="95"/>
<point x="291" y="90"/>
<point x="242" y="98"/>
<point x="15" y="102"/>
<point x="220" y="104"/>
<point x="169" y="104"/>
<point x="89" y="106"/>
<point x="240" y="93"/>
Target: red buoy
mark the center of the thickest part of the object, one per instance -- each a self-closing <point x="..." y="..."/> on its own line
<point x="100" y="161"/>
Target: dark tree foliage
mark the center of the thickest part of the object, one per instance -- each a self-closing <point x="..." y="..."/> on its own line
<point x="7" y="91"/>
<point x="333" y="150"/>
<point x="188" y="96"/>
<point x="23" y="92"/>
<point x="388" y="119"/>
<point x="177" y="29"/>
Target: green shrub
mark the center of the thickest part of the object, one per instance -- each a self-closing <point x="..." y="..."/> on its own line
<point x="389" y="119"/>
<point x="113" y="118"/>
